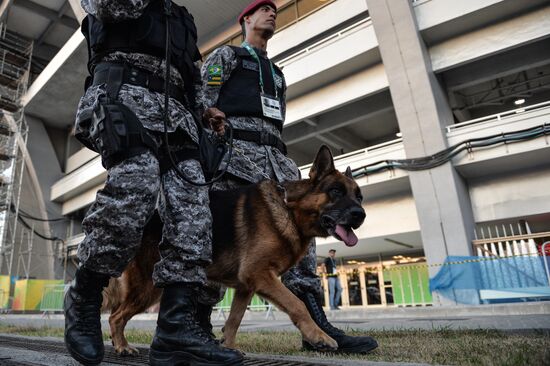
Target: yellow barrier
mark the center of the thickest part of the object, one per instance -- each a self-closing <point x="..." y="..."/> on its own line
<point x="4" y="292"/>
<point x="28" y="293"/>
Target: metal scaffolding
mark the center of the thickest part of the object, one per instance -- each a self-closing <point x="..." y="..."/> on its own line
<point x="11" y="173"/>
<point x="15" y="61"/>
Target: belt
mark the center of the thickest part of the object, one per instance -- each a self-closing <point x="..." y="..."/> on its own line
<point x="261" y="138"/>
<point x="139" y="77"/>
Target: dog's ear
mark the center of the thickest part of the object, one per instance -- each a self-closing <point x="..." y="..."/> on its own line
<point x="323" y="164"/>
<point x="349" y="173"/>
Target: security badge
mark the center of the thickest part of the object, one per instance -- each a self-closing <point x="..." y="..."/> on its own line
<point x="214" y="75"/>
<point x="271" y="107"/>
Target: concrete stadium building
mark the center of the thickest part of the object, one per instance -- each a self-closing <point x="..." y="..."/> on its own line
<point x="378" y="81"/>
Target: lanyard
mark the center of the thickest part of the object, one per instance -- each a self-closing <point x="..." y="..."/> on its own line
<point x="253" y="53"/>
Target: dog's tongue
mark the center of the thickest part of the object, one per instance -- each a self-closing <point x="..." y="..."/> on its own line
<point x="348" y="236"/>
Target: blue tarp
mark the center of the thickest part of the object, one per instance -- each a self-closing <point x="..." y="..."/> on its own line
<point x="462" y="278"/>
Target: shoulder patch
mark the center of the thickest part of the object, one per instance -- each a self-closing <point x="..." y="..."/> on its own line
<point x="214" y="75"/>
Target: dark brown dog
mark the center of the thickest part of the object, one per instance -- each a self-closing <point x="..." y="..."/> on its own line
<point x="259" y="232"/>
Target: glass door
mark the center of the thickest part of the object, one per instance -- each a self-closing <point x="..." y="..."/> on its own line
<point x="354" y="287"/>
<point x="372" y="283"/>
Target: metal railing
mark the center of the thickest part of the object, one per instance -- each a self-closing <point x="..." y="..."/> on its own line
<point x="324" y="42"/>
<point x="418" y="2"/>
<point x="498" y="116"/>
<point x="360" y="154"/>
<point x="52" y="298"/>
<point x="508" y="245"/>
<point x="256" y="304"/>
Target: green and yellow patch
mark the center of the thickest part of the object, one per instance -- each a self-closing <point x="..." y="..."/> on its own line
<point x="214" y="75"/>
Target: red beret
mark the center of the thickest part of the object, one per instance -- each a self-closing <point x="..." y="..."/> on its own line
<point x="253" y="6"/>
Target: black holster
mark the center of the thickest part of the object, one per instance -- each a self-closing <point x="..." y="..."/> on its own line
<point x="212" y="149"/>
<point x="210" y="154"/>
<point x="113" y="129"/>
<point x="117" y="133"/>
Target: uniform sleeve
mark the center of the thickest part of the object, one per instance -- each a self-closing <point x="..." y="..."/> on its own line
<point x="215" y="71"/>
<point x="111" y="11"/>
<point x="197" y="85"/>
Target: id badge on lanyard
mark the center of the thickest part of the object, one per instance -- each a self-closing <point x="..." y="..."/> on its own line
<point x="271" y="107"/>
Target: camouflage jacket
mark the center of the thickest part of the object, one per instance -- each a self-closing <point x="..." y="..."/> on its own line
<point x="250" y="161"/>
<point x="147" y="105"/>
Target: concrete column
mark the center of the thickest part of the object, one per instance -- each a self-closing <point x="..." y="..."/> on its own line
<point x="441" y="195"/>
<point x="46" y="171"/>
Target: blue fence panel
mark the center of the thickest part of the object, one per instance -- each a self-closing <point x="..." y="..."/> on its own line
<point x="493" y="279"/>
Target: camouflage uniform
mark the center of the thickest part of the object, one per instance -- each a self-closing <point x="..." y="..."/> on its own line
<point x="251" y="162"/>
<point x="114" y="224"/>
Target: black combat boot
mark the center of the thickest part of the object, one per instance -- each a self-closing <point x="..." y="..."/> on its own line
<point x="346" y="344"/>
<point x="83" y="337"/>
<point x="204" y="313"/>
<point x="180" y="340"/>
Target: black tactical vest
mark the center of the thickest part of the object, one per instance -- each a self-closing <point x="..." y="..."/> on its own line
<point x="146" y="35"/>
<point x="240" y="94"/>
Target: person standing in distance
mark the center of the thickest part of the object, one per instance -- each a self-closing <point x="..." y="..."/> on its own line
<point x="334" y="287"/>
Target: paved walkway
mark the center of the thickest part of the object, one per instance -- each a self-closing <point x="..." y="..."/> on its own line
<point x="520" y="316"/>
<point x="24" y="351"/>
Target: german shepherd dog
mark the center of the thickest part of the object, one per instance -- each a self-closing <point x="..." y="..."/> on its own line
<point x="259" y="232"/>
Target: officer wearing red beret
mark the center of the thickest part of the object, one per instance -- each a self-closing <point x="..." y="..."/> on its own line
<point x="242" y="85"/>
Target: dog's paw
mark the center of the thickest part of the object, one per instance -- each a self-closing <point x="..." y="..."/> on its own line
<point x="227" y="343"/>
<point x="127" y="350"/>
<point x="325" y="343"/>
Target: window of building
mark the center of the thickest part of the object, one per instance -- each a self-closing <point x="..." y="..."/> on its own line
<point x="307" y="6"/>
<point x="286" y="16"/>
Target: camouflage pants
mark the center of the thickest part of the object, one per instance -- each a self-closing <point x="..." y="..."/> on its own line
<point x="114" y="224"/>
<point x="301" y="278"/>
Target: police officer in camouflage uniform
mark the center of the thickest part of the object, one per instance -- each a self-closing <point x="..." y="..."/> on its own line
<point x="242" y="85"/>
<point x="121" y="117"/>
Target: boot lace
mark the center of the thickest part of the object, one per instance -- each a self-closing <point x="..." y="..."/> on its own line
<point x="197" y="330"/>
<point x="88" y="321"/>
<point x="203" y="318"/>
<point x="320" y="317"/>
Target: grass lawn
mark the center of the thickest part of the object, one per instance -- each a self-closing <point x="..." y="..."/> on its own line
<point x="439" y="346"/>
